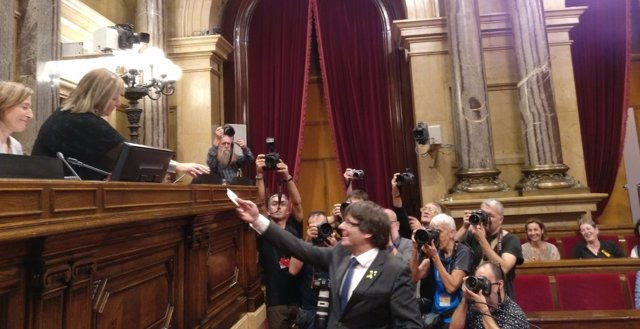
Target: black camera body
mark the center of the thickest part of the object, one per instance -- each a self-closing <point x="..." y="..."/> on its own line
<point x="228" y="130"/>
<point x="343" y="207"/>
<point x="478" y="284"/>
<point x="324" y="231"/>
<point x="272" y="158"/>
<point x="405" y="178"/>
<point x="425" y="236"/>
<point x="479" y="217"/>
<point x="358" y="174"/>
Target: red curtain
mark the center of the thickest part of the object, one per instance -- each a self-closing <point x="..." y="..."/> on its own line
<point x="278" y="62"/>
<point x="601" y="54"/>
<point x="352" y="62"/>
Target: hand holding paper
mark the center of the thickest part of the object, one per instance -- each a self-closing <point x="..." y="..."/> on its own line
<point x="232" y="196"/>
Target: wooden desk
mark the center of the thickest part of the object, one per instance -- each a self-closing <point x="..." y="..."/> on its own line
<point x="124" y="255"/>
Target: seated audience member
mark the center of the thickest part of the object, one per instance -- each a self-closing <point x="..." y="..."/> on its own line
<point x="408" y="224"/>
<point x="441" y="272"/>
<point x="538" y="248"/>
<point x="635" y="251"/>
<point x="221" y="158"/>
<point x="489" y="307"/>
<point x="78" y="130"/>
<point x="398" y="246"/>
<point x="15" y="114"/>
<point x="282" y="297"/>
<point x="312" y="278"/>
<point x="489" y="242"/>
<point x="592" y="247"/>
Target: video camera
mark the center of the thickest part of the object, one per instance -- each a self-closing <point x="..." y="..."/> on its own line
<point x="126" y="36"/>
<point x="272" y="158"/>
<point x="477" y="284"/>
<point x="479" y="217"/>
<point x="425" y="236"/>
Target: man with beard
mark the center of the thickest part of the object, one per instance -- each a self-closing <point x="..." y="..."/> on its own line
<point x="221" y="158"/>
<point x="282" y="297"/>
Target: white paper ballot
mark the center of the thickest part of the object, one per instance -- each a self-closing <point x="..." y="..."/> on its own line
<point x="232" y="196"/>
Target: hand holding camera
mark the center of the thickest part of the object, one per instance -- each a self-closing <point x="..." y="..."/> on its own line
<point x="272" y="158"/>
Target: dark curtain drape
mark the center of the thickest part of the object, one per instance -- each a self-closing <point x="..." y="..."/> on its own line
<point x="352" y="61"/>
<point x="278" y="61"/>
<point x="600" y="53"/>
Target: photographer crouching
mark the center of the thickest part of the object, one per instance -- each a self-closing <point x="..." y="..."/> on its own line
<point x="485" y="304"/>
<point x="314" y="281"/>
<point x="441" y="264"/>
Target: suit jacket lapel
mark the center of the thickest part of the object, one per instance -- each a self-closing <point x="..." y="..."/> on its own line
<point x="370" y="276"/>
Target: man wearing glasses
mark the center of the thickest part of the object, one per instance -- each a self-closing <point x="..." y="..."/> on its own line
<point x="369" y="288"/>
<point x="487" y="306"/>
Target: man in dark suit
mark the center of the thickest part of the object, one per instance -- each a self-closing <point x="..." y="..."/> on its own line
<point x="369" y="288"/>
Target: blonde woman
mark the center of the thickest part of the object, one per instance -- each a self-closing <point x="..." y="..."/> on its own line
<point x="15" y="114"/>
<point x="78" y="129"/>
<point x="538" y="248"/>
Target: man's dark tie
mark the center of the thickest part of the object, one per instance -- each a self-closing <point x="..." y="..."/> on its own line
<point x="344" y="292"/>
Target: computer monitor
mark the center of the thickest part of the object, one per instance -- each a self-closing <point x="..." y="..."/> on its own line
<point x="140" y="163"/>
<point x="34" y="166"/>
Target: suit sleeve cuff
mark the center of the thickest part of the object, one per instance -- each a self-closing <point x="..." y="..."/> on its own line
<point x="261" y="224"/>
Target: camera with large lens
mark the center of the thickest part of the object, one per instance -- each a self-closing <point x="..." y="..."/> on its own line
<point x="228" y="130"/>
<point x="357" y="174"/>
<point x="477" y="284"/>
<point x="323" y="285"/>
<point x="324" y="231"/>
<point x="478" y="217"/>
<point x="425" y="236"/>
<point x="405" y="178"/>
<point x="272" y="158"/>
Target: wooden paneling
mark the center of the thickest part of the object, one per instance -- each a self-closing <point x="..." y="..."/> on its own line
<point x="118" y="255"/>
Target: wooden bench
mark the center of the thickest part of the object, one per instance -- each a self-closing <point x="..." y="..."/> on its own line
<point x="566" y="294"/>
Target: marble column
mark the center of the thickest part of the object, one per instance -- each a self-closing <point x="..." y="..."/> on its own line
<point x="472" y="120"/>
<point x="544" y="167"/>
<point x="198" y="101"/>
<point x="7" y="32"/>
<point x="150" y="19"/>
<point x="38" y="42"/>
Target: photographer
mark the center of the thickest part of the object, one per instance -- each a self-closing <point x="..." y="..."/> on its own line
<point x="408" y="224"/>
<point x="442" y="271"/>
<point x="482" y="231"/>
<point x="398" y="246"/>
<point x="282" y="301"/>
<point x="336" y="212"/>
<point x="221" y="158"/>
<point x="485" y="304"/>
<point x="312" y="278"/>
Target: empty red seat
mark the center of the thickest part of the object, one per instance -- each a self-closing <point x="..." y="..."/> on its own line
<point x="568" y="242"/>
<point x="533" y="292"/>
<point x="590" y="291"/>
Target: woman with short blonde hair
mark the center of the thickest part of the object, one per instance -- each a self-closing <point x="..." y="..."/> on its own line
<point x="15" y="114"/>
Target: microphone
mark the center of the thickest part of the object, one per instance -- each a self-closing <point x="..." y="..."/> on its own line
<point x="75" y="162"/>
<point x="75" y="174"/>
